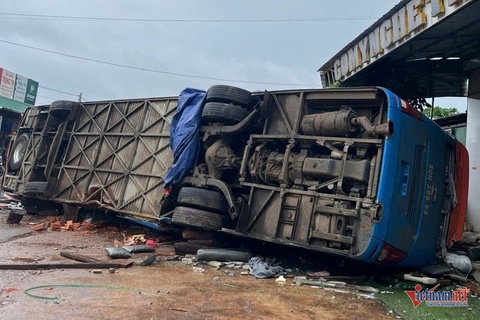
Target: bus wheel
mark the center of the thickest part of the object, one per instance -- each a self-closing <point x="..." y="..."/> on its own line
<point x="228" y="114"/>
<point x="35" y="187"/>
<point x="201" y="219"/>
<point x="229" y="94"/>
<point x="202" y="199"/>
<point x="62" y="109"/>
<point x="18" y="151"/>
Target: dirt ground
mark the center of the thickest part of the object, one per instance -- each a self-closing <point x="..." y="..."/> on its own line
<point x="167" y="289"/>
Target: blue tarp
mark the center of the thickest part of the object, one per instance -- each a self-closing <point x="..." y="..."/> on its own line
<point x="184" y="135"/>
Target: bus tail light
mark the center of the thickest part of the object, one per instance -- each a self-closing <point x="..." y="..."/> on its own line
<point x="390" y="254"/>
<point x="410" y="110"/>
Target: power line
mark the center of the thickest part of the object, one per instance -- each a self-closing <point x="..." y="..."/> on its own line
<point x="58" y="91"/>
<point x="65" y="93"/>
<point x="46" y="97"/>
<point x="150" y="70"/>
<point x="85" y="18"/>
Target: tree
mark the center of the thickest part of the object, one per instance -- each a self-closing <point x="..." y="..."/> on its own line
<point x="439" y="112"/>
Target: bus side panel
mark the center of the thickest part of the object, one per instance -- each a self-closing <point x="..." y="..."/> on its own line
<point x="117" y="155"/>
<point x="401" y="181"/>
<point x="431" y="219"/>
<point x="412" y="187"/>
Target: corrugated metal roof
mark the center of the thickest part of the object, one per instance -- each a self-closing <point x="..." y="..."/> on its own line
<point x="436" y="62"/>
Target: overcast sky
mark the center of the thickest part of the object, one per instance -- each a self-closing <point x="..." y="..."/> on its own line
<point x="261" y="55"/>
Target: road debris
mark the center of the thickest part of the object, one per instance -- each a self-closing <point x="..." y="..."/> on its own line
<point x="323" y="283"/>
<point x="145" y="261"/>
<point x="216" y="254"/>
<point x="323" y="274"/>
<point x="15" y="216"/>
<point x="118" y="253"/>
<point x="139" y="248"/>
<point x="460" y="263"/>
<point x="281" y="280"/>
<point x="262" y="269"/>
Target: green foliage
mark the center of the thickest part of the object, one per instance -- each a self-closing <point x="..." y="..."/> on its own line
<point x="439" y="112"/>
<point x="337" y="84"/>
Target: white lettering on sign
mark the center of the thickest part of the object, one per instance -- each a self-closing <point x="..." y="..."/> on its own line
<point x="437" y="8"/>
<point x="7" y="83"/>
<point x="352" y="60"/>
<point x="416" y="17"/>
<point x="399" y="25"/>
<point x="407" y="22"/>
<point x="363" y="55"/>
<point x="386" y="34"/>
<point x="374" y="40"/>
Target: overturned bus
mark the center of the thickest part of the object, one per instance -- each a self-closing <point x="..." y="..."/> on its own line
<point x="355" y="172"/>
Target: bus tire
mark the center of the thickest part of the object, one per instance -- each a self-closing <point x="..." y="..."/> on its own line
<point x="17" y="154"/>
<point x="228" y="114"/>
<point x="229" y="94"/>
<point x="61" y="109"/>
<point x="201" y="219"/>
<point x="202" y="199"/>
<point x="30" y="205"/>
<point x="35" y="187"/>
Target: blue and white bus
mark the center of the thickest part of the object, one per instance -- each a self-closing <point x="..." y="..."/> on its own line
<point x="354" y="172"/>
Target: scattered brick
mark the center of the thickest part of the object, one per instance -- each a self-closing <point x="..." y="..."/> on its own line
<point x="41" y="226"/>
<point x="68" y="226"/>
<point x="57" y="225"/>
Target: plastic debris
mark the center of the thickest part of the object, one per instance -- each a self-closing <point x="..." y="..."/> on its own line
<point x="261" y="269"/>
<point x="460" y="263"/>
<point x="281" y="280"/>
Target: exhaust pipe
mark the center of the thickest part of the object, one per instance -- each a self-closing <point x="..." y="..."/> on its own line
<point x="342" y="123"/>
<point x="385" y="129"/>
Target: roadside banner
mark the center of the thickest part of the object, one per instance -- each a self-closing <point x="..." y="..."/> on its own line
<point x="18" y="88"/>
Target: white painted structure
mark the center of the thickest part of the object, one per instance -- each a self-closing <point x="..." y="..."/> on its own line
<point x="473" y="146"/>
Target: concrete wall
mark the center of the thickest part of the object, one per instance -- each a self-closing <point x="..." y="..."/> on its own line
<point x="473" y="146"/>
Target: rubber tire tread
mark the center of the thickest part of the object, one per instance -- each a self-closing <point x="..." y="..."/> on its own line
<point x="17" y="165"/>
<point x="225" y="113"/>
<point x="202" y="199"/>
<point x="229" y="94"/>
<point x="61" y="109"/>
<point x="35" y="187"/>
<point x="201" y="219"/>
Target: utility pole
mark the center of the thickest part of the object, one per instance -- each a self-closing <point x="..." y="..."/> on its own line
<point x="80" y="97"/>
